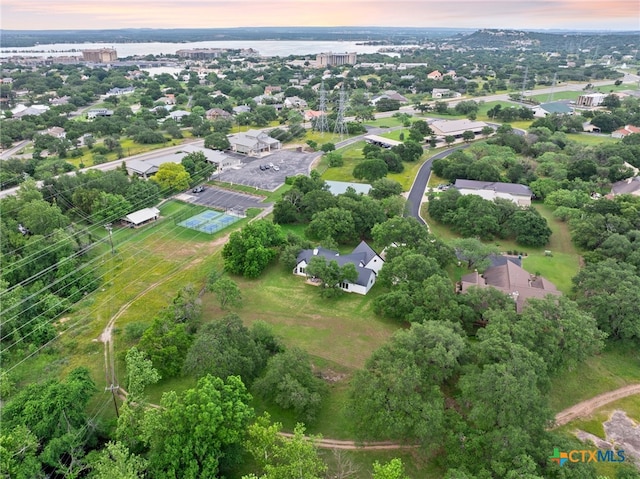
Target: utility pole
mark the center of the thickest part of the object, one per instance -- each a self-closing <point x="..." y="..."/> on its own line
<point x="109" y="228"/>
<point x="113" y="390"/>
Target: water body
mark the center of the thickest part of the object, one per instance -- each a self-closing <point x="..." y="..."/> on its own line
<point x="266" y="48"/>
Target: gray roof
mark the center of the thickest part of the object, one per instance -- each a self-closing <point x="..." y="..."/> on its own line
<point x="368" y="251"/>
<point x="510" y="188"/>
<point x="340" y="187"/>
<point x="142" y="215"/>
<point x="360" y="256"/>
<point x="556" y="107"/>
<point x="628" y="186"/>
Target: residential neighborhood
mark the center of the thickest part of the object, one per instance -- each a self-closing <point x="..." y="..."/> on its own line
<point x="319" y="252"/>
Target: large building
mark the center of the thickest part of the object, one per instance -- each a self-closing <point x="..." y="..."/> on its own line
<point x="100" y="55"/>
<point x="201" y="53"/>
<point x="336" y="59"/>
<point x="490" y="190"/>
<point x="590" y="99"/>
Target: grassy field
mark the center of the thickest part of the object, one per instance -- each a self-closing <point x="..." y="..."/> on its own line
<point x="615" y="367"/>
<point x="558" y="268"/>
<point x="351" y="155"/>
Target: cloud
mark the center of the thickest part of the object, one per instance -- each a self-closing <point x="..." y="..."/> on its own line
<point x="58" y="14"/>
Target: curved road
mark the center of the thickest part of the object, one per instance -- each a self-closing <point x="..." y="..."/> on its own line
<point x="419" y="186"/>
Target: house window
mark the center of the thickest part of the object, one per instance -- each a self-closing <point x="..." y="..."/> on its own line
<point x="344" y="285"/>
<point x="301" y="270"/>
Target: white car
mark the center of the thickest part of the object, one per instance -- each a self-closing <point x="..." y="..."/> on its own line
<point x="276" y="168"/>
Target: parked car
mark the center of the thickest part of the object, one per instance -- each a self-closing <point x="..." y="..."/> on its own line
<point x="198" y="189"/>
<point x="276" y="168"/>
<point x="263" y="167"/>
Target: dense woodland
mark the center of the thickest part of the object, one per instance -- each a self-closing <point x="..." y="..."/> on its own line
<point x="473" y="399"/>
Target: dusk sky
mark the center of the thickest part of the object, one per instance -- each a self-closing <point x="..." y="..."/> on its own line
<point x="523" y="14"/>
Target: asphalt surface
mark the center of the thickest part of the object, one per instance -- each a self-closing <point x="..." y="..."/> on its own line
<point x="225" y="199"/>
<point x="417" y="191"/>
<point x="288" y="163"/>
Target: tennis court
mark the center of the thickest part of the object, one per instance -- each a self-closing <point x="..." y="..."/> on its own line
<point x="209" y="221"/>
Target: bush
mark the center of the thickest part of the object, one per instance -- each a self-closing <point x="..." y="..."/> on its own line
<point x="134" y="331"/>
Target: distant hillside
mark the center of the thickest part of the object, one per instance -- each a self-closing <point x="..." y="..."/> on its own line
<point x="547" y="41"/>
<point x="27" y="38"/>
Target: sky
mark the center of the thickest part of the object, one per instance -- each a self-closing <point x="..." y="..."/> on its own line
<point x="517" y="14"/>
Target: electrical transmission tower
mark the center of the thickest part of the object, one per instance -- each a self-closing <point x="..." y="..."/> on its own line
<point x="553" y="88"/>
<point x="524" y="83"/>
<point x="341" y="126"/>
<point x="322" y="124"/>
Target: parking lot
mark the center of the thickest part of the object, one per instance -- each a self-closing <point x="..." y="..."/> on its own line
<point x="224" y="199"/>
<point x="289" y="163"/>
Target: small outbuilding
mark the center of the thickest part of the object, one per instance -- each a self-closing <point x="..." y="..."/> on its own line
<point x="141" y="217"/>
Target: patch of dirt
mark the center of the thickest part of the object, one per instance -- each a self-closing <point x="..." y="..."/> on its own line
<point x="331" y="376"/>
<point x="585" y="408"/>
<point x="621" y="432"/>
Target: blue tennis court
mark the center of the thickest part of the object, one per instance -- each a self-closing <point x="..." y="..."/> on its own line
<point x="209" y="221"/>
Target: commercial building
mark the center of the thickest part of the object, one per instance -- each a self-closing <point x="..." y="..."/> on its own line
<point x="201" y="53"/>
<point x="100" y="55"/>
<point x="336" y="59"/>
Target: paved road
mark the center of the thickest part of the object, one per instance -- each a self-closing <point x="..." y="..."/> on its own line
<point x="416" y="193"/>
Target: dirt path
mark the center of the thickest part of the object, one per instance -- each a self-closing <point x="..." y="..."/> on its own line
<point x="585" y="408"/>
<point x="353" y="445"/>
<point x="106" y="337"/>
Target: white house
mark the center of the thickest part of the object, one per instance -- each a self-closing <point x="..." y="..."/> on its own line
<point x="367" y="262"/>
<point x="490" y="190"/>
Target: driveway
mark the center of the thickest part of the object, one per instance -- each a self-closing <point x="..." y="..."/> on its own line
<point x="288" y="163"/>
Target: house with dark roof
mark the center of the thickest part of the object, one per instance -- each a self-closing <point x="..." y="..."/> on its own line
<point x="490" y="190"/>
<point x="511" y="279"/>
<point x="367" y="262"/>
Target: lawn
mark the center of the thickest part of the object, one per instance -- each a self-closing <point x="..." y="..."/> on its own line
<point x="558" y="268"/>
<point x="389" y="121"/>
<point x="590" y="138"/>
<point x="615" y="367"/>
<point x="351" y="155"/>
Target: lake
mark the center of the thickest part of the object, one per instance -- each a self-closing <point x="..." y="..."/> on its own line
<point x="266" y="48"/>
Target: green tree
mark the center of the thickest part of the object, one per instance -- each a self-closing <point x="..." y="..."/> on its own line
<point x="371" y="170"/>
<point x="384" y="188"/>
<point x="193" y="432"/>
<point x="115" y="460"/>
<point x="610" y="290"/>
<point x="217" y="141"/>
<point x="335" y="223"/>
<point x="553" y="327"/>
<point x="399" y="230"/>
<point x="397" y="395"/>
<point x="290" y="383"/>
<point x="18" y="453"/>
<point x="41" y="218"/>
<point x="476" y="254"/>
<point x="107" y="208"/>
<point x="172" y="177"/>
<point x="226" y="348"/>
<point x="280" y="457"/>
<point x="328" y="147"/>
<point x="166" y="343"/>
<point x="331" y="274"/>
<point x="227" y="291"/>
<point x="468" y="136"/>
<point x="529" y="227"/>
<point x="249" y="251"/>
<point x="394" y="469"/>
<point x="140" y="374"/>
